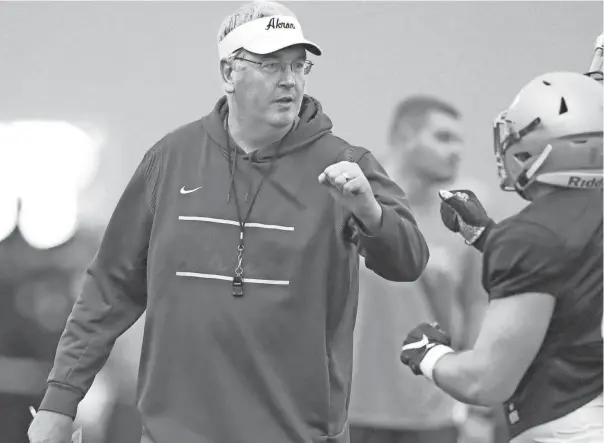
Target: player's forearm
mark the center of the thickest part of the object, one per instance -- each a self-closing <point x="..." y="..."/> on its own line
<point x="466" y="376"/>
<point x="455" y="321"/>
<point x="473" y="316"/>
<point x="472" y="298"/>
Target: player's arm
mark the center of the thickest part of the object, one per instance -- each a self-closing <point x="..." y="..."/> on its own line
<point x="511" y="335"/>
<point x="446" y="310"/>
<point x="522" y="267"/>
<point x="462" y="212"/>
<point x="471" y="298"/>
<point x="113" y="296"/>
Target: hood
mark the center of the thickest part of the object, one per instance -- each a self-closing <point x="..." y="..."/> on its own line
<point x="312" y="124"/>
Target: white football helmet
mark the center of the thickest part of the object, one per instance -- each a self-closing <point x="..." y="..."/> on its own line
<point x="552" y="133"/>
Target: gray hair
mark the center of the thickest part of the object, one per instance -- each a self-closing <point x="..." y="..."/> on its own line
<point x="251" y="11"/>
<point x="414" y="111"/>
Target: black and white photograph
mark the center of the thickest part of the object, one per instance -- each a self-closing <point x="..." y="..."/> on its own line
<point x="301" y="221"/>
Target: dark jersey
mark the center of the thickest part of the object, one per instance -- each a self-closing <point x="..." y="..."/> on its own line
<point x="554" y="246"/>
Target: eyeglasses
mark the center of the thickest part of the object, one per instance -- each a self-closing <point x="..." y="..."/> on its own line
<point x="270" y="68"/>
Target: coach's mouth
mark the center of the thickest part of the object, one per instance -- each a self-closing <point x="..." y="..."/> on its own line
<point x="285" y="100"/>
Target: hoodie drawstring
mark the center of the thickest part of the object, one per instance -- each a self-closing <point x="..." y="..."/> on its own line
<point x="232" y="167"/>
<point x="238" y="275"/>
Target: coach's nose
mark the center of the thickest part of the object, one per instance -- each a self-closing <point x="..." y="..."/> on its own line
<point x="288" y="79"/>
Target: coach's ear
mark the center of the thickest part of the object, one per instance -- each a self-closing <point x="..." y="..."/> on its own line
<point x="227" y="74"/>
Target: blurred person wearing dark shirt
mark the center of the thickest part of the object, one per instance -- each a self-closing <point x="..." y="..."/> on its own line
<point x="123" y="422"/>
<point x="540" y="346"/>
<point x="37" y="291"/>
<point x="388" y="404"/>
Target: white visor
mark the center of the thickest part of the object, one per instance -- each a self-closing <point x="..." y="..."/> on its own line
<point x="265" y="35"/>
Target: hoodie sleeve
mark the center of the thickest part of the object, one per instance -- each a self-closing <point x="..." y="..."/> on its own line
<point x="397" y="251"/>
<point x="113" y="296"/>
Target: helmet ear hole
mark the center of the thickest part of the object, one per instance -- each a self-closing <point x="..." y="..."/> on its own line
<point x="563" y="108"/>
<point x="522" y="157"/>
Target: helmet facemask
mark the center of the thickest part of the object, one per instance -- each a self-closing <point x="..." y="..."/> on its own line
<point x="597" y="62"/>
<point x="505" y="135"/>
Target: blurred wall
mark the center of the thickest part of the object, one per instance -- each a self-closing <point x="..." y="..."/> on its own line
<point x="132" y="71"/>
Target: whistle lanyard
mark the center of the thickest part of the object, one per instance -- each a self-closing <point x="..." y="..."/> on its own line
<point x="238" y="276"/>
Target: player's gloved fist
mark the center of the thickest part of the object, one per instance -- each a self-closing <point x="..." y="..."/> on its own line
<point x="461" y="211"/>
<point x="424" y="345"/>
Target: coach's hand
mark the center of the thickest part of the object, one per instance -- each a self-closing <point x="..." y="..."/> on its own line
<point x="50" y="427"/>
<point x="461" y="211"/>
<point x="423" y="346"/>
<point x="349" y="187"/>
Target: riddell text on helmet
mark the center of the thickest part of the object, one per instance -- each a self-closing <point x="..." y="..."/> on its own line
<point x="578" y="182"/>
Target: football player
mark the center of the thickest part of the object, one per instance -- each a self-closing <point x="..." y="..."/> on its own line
<point x="539" y="350"/>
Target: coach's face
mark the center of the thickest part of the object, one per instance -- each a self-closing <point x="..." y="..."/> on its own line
<point x="266" y="89"/>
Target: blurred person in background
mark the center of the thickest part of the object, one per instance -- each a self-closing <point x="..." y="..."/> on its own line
<point x="539" y="349"/>
<point x="46" y="241"/>
<point x="388" y="404"/>
<point x="240" y="235"/>
<point x="123" y="422"/>
<point x="37" y="291"/>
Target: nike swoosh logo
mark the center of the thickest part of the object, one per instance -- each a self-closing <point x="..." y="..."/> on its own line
<point x="418" y="344"/>
<point x="188" y="191"/>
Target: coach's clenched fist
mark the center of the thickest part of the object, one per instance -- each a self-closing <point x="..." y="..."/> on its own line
<point x="349" y="186"/>
<point x="50" y="427"/>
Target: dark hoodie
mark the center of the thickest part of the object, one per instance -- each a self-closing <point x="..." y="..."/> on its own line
<point x="272" y="366"/>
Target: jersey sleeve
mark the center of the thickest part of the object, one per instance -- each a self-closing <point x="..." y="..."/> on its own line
<point x="113" y="296"/>
<point x="523" y="257"/>
<point x="397" y="251"/>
